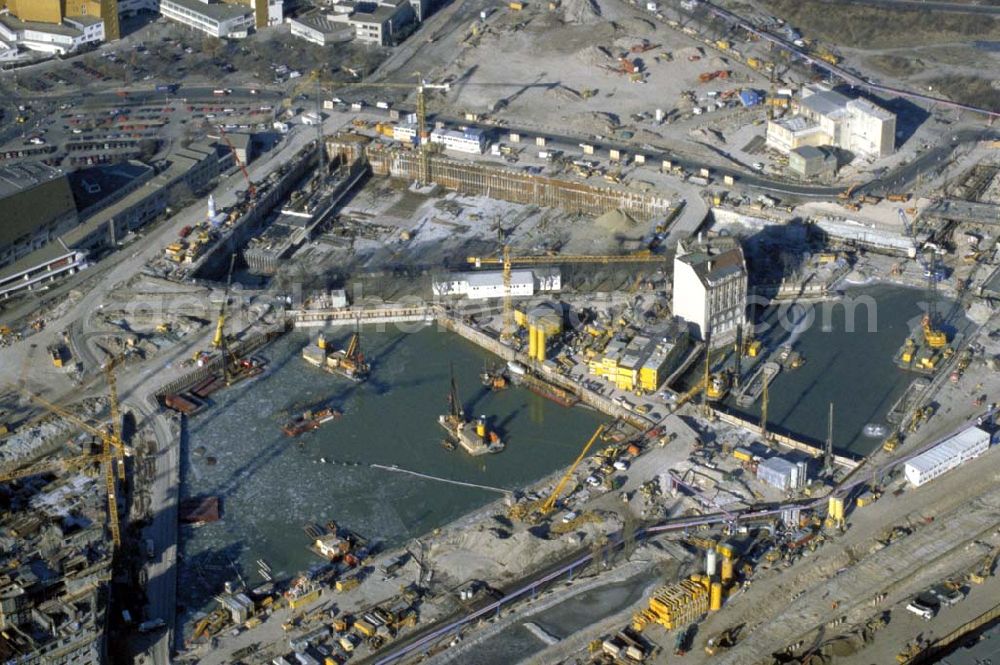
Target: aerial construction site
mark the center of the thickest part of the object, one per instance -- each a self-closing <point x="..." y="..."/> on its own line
<point x="586" y="331"/>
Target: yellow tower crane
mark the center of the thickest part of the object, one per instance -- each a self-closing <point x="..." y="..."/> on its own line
<point x="421" y="87"/>
<point x="506" y="261"/>
<point x="66" y="464"/>
<point x="111" y="447"/>
<point x="219" y="340"/>
<point x="550" y="503"/>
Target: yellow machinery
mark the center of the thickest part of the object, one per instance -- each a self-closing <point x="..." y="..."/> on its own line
<point x="219" y="340"/>
<point x="722" y="641"/>
<point x="550" y="503"/>
<point x="908" y="352"/>
<point x="112" y="449"/>
<point x="421" y="88"/>
<point x="835" y="512"/>
<point x="676" y="605"/>
<point x="891" y="442"/>
<point x="985" y="569"/>
<point x="65" y="465"/>
<point x="507" y="262"/>
<point x="718" y="386"/>
<point x="934" y="337"/>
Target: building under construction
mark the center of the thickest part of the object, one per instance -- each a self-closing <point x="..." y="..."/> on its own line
<point x="501" y="183"/>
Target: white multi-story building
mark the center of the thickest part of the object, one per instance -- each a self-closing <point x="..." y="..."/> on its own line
<point x="710" y="288"/>
<point x="374" y="22"/>
<point x="55" y="38"/>
<point x="489" y="283"/>
<point x="319" y="29"/>
<point x="947" y="455"/>
<point x="471" y="141"/>
<point x="213" y="18"/>
<point x="825" y="117"/>
<point x="405" y="133"/>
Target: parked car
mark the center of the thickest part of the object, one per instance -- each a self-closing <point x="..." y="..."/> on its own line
<point x="946" y="596"/>
<point x="922" y="609"/>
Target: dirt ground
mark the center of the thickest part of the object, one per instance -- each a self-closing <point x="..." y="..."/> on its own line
<point x="557" y="69"/>
<point x="938" y="52"/>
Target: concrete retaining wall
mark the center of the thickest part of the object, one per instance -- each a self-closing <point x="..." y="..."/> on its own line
<point x="516" y="186"/>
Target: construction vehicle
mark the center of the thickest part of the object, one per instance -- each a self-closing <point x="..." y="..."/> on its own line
<point x="985" y="568"/>
<point x="891" y="442"/>
<point x="722" y="641"/>
<point x="507" y="261"/>
<point x="550" y="503"/>
<point x="934" y="337"/>
<point x="219" y="340"/>
<point x="847" y="193"/>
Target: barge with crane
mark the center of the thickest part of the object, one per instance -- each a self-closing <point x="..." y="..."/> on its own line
<point x="474" y="437"/>
<point x="348" y="362"/>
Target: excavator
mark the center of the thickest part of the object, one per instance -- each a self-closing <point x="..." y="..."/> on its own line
<point x="727" y="639"/>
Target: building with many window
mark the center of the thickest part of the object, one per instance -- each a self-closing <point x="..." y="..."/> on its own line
<point x="318" y="28"/>
<point x="472" y="141"/>
<point x="827" y="118"/>
<point x="710" y="287"/>
<point x="484" y="284"/>
<point x="957" y="450"/>
<point x="218" y="19"/>
<point x="57" y="38"/>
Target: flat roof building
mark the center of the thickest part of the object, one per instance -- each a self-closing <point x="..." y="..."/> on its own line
<point x="37" y="204"/>
<point x="957" y="450"/>
<point x="826" y="117"/>
<point x="809" y="162"/>
<point x="318" y="28"/>
<point x="217" y="19"/>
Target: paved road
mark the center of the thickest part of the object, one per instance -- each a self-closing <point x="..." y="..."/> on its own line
<point x="919" y="5"/>
<point x="900" y="178"/>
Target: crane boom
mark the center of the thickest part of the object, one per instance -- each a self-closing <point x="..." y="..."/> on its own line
<point x="109" y="444"/>
<point x="44" y="466"/>
<point x="479" y="261"/>
<point x="219" y="339"/>
<point x="73" y="419"/>
<point x="251" y="190"/>
<point x="116" y="416"/>
<point x="550" y="503"/>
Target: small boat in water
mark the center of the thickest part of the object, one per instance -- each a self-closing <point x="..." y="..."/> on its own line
<point x="309" y="421"/>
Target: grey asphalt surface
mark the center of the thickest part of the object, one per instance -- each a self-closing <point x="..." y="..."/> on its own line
<point x="918" y="5"/>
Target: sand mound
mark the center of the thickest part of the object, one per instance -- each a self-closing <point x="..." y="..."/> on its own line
<point x="582" y="12"/>
<point x="596" y="56"/>
<point x="562" y="93"/>
<point x="593" y="122"/>
<point x="615" y="221"/>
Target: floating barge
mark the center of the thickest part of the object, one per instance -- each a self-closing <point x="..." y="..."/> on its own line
<point x="543" y="388"/>
<point x="921" y="358"/>
<point x="753" y="388"/>
<point x="474" y="437"/>
<point x="349" y="363"/>
<point x="309" y="421"/>
<point x="908" y="399"/>
<point x="199" y="511"/>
